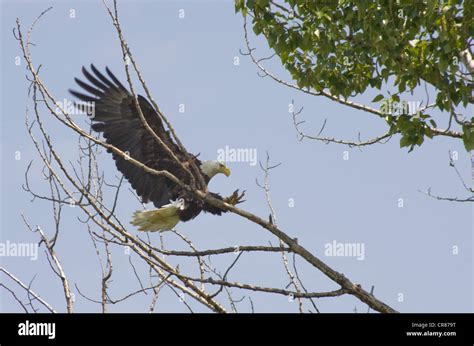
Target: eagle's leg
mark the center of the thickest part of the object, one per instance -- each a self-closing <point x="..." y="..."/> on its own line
<point x="235" y="198"/>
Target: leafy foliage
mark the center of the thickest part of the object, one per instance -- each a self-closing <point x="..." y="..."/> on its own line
<point x="345" y="47"/>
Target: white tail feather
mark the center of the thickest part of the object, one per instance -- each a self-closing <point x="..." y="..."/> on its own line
<point x="159" y="220"/>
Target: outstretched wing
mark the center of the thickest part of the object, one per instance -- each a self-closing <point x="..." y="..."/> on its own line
<point x="114" y="115"/>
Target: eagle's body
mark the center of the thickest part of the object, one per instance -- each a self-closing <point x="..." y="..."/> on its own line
<point x="117" y="118"/>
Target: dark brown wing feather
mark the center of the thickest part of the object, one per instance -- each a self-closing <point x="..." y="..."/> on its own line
<point x="117" y="118"/>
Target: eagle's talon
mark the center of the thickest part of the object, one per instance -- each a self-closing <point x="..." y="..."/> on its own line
<point x="240" y="197"/>
<point x="235" y="198"/>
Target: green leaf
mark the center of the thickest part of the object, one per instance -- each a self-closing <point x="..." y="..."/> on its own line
<point x="239" y="5"/>
<point x="405" y="142"/>
<point x="428" y="132"/>
<point x="257" y="28"/>
<point x="378" y="98"/>
<point x="468" y="137"/>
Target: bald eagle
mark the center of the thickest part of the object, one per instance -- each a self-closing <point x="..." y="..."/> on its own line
<point x="115" y="116"/>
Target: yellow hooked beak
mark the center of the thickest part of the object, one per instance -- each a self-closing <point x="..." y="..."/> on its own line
<point x="225" y="170"/>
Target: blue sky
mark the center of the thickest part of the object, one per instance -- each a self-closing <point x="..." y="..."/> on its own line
<point x="190" y="61"/>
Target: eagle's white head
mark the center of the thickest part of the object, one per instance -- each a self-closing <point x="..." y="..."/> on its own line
<point x="211" y="168"/>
